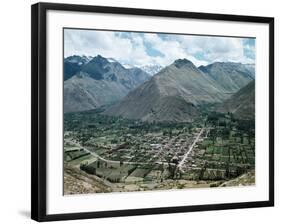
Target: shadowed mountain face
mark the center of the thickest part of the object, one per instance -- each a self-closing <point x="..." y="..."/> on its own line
<point x="73" y="65"/>
<point x="98" y="82"/>
<point x="171" y="95"/>
<point x="230" y="76"/>
<point x="242" y="103"/>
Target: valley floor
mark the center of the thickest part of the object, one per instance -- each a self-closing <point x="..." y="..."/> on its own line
<point x="106" y="154"/>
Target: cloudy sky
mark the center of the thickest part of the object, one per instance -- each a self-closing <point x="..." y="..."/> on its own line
<point x="139" y="49"/>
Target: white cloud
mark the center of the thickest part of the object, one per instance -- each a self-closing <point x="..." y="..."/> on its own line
<point x="216" y="48"/>
<point x="136" y="48"/>
<point x="172" y="49"/>
<point x="92" y="43"/>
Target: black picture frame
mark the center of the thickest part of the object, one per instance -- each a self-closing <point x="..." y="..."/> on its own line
<point x="38" y="108"/>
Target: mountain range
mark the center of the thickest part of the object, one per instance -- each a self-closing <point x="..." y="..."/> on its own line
<point x="96" y="82"/>
<point x="174" y="94"/>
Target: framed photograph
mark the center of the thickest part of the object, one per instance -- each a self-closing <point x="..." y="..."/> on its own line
<point x="140" y="111"/>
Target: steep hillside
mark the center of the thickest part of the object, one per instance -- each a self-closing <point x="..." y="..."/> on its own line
<point x="230" y="76"/>
<point x="242" y="103"/>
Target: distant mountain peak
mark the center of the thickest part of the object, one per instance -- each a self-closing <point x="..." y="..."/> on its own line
<point x="99" y="59"/>
<point x="99" y="56"/>
<point x="152" y="69"/>
<point x="179" y="63"/>
<point x="76" y="59"/>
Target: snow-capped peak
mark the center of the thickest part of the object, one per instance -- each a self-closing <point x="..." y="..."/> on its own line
<point x="151" y="69"/>
<point x="80" y="60"/>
